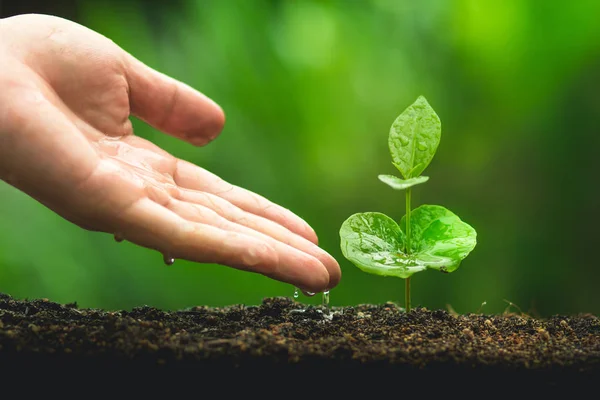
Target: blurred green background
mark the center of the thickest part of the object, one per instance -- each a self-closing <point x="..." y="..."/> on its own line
<point x="310" y="89"/>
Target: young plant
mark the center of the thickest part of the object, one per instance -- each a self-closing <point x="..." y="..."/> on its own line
<point x="428" y="237"/>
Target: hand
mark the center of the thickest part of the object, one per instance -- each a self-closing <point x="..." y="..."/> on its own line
<point x="66" y="140"/>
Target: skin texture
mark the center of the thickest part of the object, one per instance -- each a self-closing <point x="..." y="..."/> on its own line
<point x="66" y="140"/>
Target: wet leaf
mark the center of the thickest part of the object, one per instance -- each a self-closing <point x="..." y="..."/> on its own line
<point x="375" y="243"/>
<point x="414" y="138"/>
<point x="440" y="239"/>
<point x="401" y="184"/>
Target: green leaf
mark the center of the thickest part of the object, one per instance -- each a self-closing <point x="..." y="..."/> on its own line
<point x="414" y="138"/>
<point x="401" y="184"/>
<point x="375" y="243"/>
<point x="439" y="239"/>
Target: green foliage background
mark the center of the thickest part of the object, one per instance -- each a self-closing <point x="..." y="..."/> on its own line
<point x="310" y="89"/>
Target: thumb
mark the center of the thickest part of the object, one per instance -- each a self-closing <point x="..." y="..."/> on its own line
<point x="172" y="106"/>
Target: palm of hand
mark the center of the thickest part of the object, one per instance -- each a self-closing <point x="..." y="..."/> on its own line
<point x="72" y="92"/>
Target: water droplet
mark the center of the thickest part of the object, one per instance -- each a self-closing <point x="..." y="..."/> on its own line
<point x="119" y="237"/>
<point x="310" y="294"/>
<point x="296" y="293"/>
<point x="168" y="259"/>
<point x="326" y="301"/>
<point x="403" y="140"/>
<point x="422" y="146"/>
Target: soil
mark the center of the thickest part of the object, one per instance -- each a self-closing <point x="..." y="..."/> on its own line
<point x="296" y="346"/>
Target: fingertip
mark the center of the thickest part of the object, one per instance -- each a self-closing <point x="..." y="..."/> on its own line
<point x="214" y="122"/>
<point x="331" y="265"/>
<point x="172" y="106"/>
<point x="317" y="281"/>
<point x="335" y="276"/>
<point x="209" y="127"/>
<point x="295" y="223"/>
<point x="311" y="234"/>
<point x="300" y="227"/>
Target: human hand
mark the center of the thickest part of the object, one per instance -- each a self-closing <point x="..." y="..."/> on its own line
<point x="66" y="140"/>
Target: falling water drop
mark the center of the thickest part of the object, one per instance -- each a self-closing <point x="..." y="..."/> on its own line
<point x="296" y="293"/>
<point x="168" y="259"/>
<point x="326" y="301"/>
<point x="119" y="237"/>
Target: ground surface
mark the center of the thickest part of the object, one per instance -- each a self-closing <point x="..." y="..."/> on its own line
<point x="286" y="341"/>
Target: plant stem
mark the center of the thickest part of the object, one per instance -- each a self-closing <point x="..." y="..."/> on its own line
<point x="408" y="249"/>
<point x="407" y="294"/>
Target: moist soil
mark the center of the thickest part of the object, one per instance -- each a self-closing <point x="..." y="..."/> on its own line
<point x="284" y="343"/>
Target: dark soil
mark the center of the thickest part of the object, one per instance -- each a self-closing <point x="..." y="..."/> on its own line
<point x="289" y="343"/>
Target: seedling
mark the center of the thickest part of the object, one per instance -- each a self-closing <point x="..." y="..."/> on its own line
<point x="428" y="237"/>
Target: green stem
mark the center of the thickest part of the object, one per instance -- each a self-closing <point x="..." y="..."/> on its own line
<point x="408" y="249"/>
<point x="407" y="294"/>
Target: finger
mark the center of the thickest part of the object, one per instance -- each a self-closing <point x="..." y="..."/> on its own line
<point x="265" y="226"/>
<point x="151" y="225"/>
<point x="304" y="269"/>
<point x="172" y="106"/>
<point x="190" y="176"/>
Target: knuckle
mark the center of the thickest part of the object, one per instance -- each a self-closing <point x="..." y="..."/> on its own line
<point x="256" y="254"/>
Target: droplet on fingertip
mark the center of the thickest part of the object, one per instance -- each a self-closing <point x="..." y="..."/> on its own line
<point x="309" y="294"/>
<point x="119" y="237"/>
<point x="168" y="259"/>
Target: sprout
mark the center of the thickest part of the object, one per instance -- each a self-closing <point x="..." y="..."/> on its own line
<point x="428" y="237"/>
